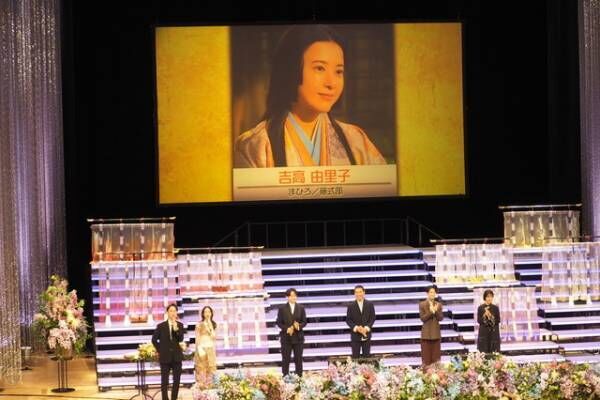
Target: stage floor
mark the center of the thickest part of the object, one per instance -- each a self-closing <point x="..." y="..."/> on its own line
<point x="38" y="382"/>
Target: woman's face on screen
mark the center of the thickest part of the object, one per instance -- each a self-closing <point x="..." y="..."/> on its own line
<point x="322" y="77"/>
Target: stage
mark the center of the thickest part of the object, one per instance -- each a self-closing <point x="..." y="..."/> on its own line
<point x="395" y="278"/>
<point x="38" y="382"/>
<point x="205" y="174"/>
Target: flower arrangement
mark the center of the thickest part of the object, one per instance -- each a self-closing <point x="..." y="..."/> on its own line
<point x="202" y="394"/>
<point x="147" y="352"/>
<point x="60" y="320"/>
<point x="270" y="384"/>
<point x="483" y="375"/>
<point x="238" y="388"/>
<point x="472" y="377"/>
<point x="559" y="380"/>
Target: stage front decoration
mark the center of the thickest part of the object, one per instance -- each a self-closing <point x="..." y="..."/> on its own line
<point x="137" y="272"/>
<point x="473" y="263"/>
<point x="135" y="267"/>
<point x="472" y="376"/>
<point x="571" y="273"/>
<point x="541" y="225"/>
<point x="518" y="312"/>
<point x="230" y="282"/>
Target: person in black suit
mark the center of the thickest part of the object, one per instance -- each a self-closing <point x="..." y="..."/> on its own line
<point x="291" y="319"/>
<point x="360" y="317"/>
<point x="166" y="339"/>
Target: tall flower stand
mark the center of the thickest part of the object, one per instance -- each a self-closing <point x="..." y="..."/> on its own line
<point x="63" y="375"/>
<point x="141" y="381"/>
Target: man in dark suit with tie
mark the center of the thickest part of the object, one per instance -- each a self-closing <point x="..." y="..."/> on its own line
<point x="291" y="320"/>
<point x="166" y="339"/>
<point x="360" y="317"/>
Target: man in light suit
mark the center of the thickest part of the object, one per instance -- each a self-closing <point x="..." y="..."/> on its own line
<point x="291" y="319"/>
<point x="166" y="339"/>
<point x="360" y="317"/>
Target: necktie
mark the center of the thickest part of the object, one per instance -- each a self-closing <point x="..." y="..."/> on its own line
<point x="172" y="332"/>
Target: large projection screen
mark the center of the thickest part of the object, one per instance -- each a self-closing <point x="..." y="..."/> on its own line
<point x="304" y="112"/>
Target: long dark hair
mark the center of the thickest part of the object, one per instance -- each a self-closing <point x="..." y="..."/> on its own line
<point x="286" y="75"/>
<point x="212" y="314"/>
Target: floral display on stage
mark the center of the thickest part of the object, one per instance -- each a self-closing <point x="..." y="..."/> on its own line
<point x="147" y="352"/>
<point x="60" y="320"/>
<point x="471" y="377"/>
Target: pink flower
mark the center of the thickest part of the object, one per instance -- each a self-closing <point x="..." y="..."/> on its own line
<point x="61" y="336"/>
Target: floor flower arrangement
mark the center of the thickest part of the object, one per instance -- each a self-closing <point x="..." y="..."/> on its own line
<point x="466" y="377"/>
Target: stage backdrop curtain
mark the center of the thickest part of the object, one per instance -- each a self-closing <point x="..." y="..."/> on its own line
<point x="589" y="68"/>
<point x="32" y="204"/>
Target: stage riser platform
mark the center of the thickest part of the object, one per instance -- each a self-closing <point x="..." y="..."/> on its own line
<point x="395" y="278"/>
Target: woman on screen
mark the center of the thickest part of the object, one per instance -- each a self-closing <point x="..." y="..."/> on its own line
<point x="205" y="358"/>
<point x="307" y="79"/>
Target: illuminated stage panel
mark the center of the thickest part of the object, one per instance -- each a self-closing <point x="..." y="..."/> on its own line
<point x="395" y="278"/>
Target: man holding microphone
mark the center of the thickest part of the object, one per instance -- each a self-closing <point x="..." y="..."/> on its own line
<point x="166" y="340"/>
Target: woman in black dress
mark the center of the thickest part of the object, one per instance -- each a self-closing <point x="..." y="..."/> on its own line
<point x="488" y="317"/>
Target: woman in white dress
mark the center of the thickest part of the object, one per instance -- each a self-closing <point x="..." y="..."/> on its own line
<point x="205" y="359"/>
